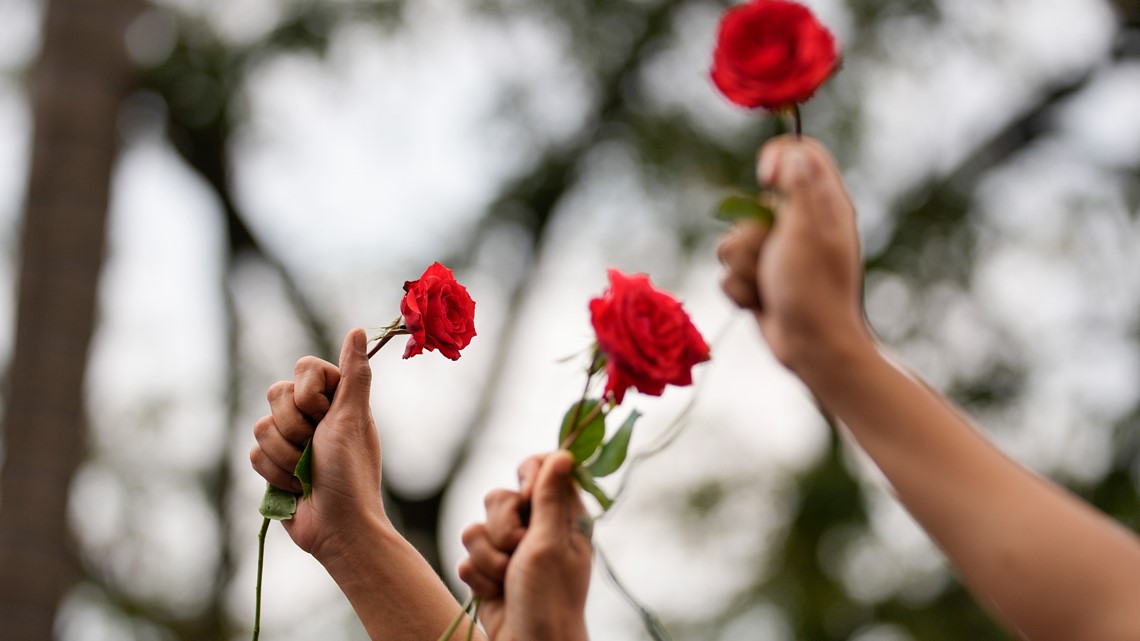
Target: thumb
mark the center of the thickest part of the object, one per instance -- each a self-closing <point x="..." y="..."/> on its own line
<point x="555" y="502"/>
<point x="806" y="176"/>
<point x="355" y="386"/>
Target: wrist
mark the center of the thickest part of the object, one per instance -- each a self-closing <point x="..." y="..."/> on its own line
<point x="340" y="555"/>
<point x="831" y="359"/>
<point x="574" y="630"/>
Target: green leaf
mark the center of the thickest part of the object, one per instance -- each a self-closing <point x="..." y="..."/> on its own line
<point x="589" y="437"/>
<point x="613" y="453"/>
<point x="586" y="481"/>
<point x="278" y="504"/>
<point x="304" y="470"/>
<point x="736" y="208"/>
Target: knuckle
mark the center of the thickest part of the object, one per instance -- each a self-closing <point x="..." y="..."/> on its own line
<point x="274" y="475"/>
<point x="530" y="465"/>
<point x="307" y="363"/>
<point x="724" y="248"/>
<point x="741" y="296"/>
<point x="465" y="570"/>
<point x="496" y="565"/>
<point x="496" y="497"/>
<point x="312" y="403"/>
<point x="473" y="533"/>
<point x="278" y="389"/>
<point x="728" y="284"/>
<point x="263" y="428"/>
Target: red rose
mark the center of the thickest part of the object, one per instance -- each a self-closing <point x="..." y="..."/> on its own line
<point x="771" y="54"/>
<point x="647" y="337"/>
<point x="438" y="313"/>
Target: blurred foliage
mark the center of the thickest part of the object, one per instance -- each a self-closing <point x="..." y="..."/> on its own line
<point x="931" y="240"/>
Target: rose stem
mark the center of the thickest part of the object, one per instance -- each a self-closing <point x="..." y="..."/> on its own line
<point x="381" y="343"/>
<point x="574" y="429"/>
<point x="794" y="120"/>
<point x="260" y="566"/>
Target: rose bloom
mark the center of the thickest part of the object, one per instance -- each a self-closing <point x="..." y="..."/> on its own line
<point x="438" y="313"/>
<point x="647" y="338"/>
<point x="772" y="54"/>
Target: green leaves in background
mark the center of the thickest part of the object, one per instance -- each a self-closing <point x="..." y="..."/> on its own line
<point x="738" y="207"/>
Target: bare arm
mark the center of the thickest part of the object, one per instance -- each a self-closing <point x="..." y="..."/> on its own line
<point x="1046" y="563"/>
<point x="394" y="591"/>
<point x="1042" y="560"/>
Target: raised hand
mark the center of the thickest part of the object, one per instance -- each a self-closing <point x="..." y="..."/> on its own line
<point x="801" y="277"/>
<point x="330" y="405"/>
<point x="532" y="579"/>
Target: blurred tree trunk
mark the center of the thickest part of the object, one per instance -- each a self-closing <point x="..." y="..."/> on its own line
<point x="76" y="89"/>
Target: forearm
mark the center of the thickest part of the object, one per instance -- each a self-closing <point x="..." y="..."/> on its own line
<point x="1048" y="564"/>
<point x="393" y="590"/>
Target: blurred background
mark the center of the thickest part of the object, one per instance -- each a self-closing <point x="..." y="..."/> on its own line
<point x="195" y="193"/>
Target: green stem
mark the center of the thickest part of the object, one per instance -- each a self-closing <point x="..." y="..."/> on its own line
<point x="395" y="328"/>
<point x="384" y="341"/>
<point x="578" y="411"/>
<point x="260" y="566"/>
<point x="575" y="422"/>
<point x="652" y="624"/>
<point x="454" y="625"/>
<point x="474" y="619"/>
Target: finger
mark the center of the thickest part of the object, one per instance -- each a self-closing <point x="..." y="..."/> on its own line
<point x="556" y="505"/>
<point x="275" y="446"/>
<point x="741" y="291"/>
<point x="505" y="526"/>
<point x="314" y="381"/>
<point x="768" y="160"/>
<point x="740" y="251"/>
<point x="354" y="389"/>
<point x="481" y="585"/>
<point x="485" y="557"/>
<point x="527" y="472"/>
<point x="271" y="472"/>
<point x="806" y="176"/>
<point x="291" y="423"/>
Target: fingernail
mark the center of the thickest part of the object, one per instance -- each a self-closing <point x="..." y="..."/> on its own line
<point x="796" y="164"/>
<point x="564" y="465"/>
<point x="359" y="341"/>
<point x="768" y="165"/>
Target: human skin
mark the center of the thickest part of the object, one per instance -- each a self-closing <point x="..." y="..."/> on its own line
<point x="393" y="590"/>
<point x="532" y="579"/>
<point x="1044" y="562"/>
